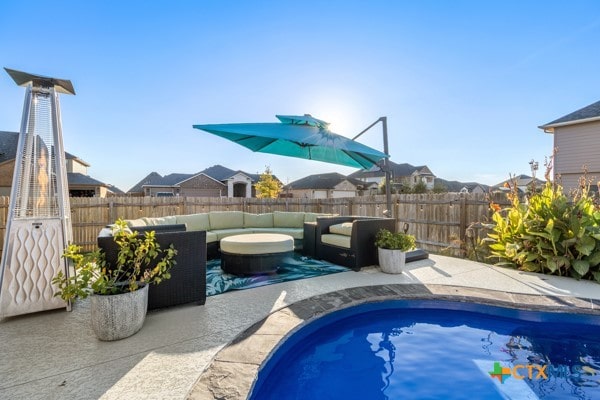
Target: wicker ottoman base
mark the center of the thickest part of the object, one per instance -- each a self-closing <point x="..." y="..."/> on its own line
<point x="254" y="253"/>
<point x="251" y="264"/>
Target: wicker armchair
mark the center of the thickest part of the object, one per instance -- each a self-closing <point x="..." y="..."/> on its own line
<point x="188" y="276"/>
<point x="360" y="250"/>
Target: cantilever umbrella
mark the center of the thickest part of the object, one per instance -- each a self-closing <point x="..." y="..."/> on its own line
<point x="298" y="136"/>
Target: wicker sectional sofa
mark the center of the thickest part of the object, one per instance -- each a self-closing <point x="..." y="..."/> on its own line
<point x="220" y="224"/>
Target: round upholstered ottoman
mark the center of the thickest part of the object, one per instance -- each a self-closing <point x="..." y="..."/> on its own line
<point x="254" y="253"/>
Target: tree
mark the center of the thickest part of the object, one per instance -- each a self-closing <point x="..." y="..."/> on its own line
<point x="419" y="187"/>
<point x="439" y="187"/>
<point x="267" y="187"/>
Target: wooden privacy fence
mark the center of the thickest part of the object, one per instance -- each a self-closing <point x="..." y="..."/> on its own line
<point x="438" y="221"/>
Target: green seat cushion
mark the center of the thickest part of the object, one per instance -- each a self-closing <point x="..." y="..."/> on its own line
<point x="223" y="233"/>
<point x="336" y="240"/>
<point x="194" y="222"/>
<point x="226" y="219"/>
<point x="211" y="237"/>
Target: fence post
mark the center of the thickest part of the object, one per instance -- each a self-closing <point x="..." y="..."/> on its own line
<point x="111" y="211"/>
<point x="396" y="215"/>
<point x="463" y="223"/>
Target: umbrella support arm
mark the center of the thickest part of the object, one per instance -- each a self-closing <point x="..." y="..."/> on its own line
<point x="386" y="167"/>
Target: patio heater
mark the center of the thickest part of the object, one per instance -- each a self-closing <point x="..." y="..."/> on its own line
<point x="38" y="225"/>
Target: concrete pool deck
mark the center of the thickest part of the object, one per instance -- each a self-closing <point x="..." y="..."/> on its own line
<point x="196" y="352"/>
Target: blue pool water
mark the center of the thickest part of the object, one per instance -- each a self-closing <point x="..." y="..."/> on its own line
<point x="413" y="349"/>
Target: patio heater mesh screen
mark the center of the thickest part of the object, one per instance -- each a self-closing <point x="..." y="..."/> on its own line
<point x="38" y="180"/>
<point x="38" y="226"/>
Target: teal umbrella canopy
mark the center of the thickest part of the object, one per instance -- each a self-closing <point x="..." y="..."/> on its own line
<point x="298" y="136"/>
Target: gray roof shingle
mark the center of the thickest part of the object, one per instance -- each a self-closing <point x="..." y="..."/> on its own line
<point x="217" y="172"/>
<point x="585" y="113"/>
<point x="403" y="169"/>
<point x="75" y="178"/>
<point x="322" y="181"/>
<point x="8" y="145"/>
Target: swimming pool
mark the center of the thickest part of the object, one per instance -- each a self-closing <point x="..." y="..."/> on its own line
<point x="431" y="349"/>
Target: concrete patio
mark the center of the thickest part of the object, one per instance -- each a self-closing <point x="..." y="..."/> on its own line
<point x="55" y="355"/>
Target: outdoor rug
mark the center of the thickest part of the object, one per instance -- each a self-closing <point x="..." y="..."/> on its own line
<point x="291" y="268"/>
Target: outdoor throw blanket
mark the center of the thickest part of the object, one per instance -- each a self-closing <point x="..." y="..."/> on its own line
<point x="291" y="268"/>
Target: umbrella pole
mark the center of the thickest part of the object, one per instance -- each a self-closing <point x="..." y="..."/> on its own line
<point x="386" y="166"/>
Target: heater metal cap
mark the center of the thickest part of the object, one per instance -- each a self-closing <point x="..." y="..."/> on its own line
<point x="23" y="78"/>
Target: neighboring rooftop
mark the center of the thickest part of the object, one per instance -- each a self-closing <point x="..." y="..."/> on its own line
<point x="322" y="181"/>
<point x="216" y="172"/>
<point x="397" y="170"/>
<point x="585" y="114"/>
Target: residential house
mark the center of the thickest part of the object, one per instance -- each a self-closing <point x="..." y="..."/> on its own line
<point x="216" y="181"/>
<point x="327" y="186"/>
<point x="79" y="182"/>
<point x="525" y="184"/>
<point x="577" y="140"/>
<point x="401" y="175"/>
<point x="461" y="187"/>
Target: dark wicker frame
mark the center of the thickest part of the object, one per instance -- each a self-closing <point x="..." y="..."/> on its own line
<point x="362" y="251"/>
<point x="188" y="277"/>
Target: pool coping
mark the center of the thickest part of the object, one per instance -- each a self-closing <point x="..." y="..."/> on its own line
<point x="234" y="368"/>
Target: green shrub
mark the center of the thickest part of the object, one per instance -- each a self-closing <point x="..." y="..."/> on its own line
<point x="394" y="241"/>
<point x="550" y="233"/>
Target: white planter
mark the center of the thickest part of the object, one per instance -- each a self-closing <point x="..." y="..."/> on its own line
<point x="391" y="261"/>
<point x="119" y="316"/>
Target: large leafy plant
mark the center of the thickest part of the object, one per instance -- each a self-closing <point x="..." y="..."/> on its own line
<point x="550" y="233"/>
<point x="140" y="261"/>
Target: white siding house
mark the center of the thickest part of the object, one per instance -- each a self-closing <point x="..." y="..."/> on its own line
<point x="577" y="140"/>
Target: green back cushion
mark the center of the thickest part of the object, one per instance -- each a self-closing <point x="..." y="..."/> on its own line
<point x="135" y="222"/>
<point x="282" y="219"/>
<point x="342" y="229"/>
<point x="226" y="219"/>
<point x="168" y="220"/>
<point x="258" y="220"/>
<point x="194" y="222"/>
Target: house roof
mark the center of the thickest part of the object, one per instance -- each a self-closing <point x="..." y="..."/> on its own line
<point x="322" y="181"/>
<point x="216" y="172"/>
<point x="114" y="189"/>
<point x="70" y="156"/>
<point x="586" y="114"/>
<point x="75" y="178"/>
<point x="456" y="186"/>
<point x="522" y="180"/>
<point x="8" y="145"/>
<point x="397" y="170"/>
<point x="173" y="179"/>
<point x="222" y="173"/>
<point x="149" y="179"/>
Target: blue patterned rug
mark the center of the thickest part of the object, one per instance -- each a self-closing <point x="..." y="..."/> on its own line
<point x="291" y="268"/>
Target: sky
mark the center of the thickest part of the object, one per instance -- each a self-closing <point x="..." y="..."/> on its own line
<point x="464" y="84"/>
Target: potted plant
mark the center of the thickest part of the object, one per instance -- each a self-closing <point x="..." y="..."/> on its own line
<point x="119" y="293"/>
<point x="392" y="248"/>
